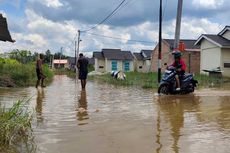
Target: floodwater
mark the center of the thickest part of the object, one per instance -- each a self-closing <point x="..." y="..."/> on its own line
<point x="109" y="119"/>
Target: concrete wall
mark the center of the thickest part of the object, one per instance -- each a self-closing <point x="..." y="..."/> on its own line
<point x="210" y="56"/>
<point x="225" y="59"/>
<point x="147" y="66"/>
<point x="99" y="64"/>
<point x="192" y="60"/>
<point x="138" y="64"/>
<point x="165" y="57"/>
<point x="227" y="35"/>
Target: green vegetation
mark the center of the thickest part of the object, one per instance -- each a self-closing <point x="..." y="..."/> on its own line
<point x="14" y="73"/>
<point x="149" y="80"/>
<point x="15" y="128"/>
<point x="207" y="81"/>
<point x="144" y="80"/>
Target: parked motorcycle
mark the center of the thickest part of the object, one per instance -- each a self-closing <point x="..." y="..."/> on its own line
<point x="168" y="83"/>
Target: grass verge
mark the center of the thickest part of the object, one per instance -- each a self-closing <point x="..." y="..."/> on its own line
<point x="15" y="74"/>
<point x="15" y="128"/>
<point x="149" y="80"/>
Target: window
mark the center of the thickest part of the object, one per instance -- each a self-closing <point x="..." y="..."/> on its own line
<point x="114" y="65"/>
<point x="226" y="65"/>
<point x="140" y="67"/>
<point x="126" y="66"/>
<point x="101" y="67"/>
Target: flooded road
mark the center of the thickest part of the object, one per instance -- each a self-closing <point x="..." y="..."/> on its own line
<point x="109" y="119"/>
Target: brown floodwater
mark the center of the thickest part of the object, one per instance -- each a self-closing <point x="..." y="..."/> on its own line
<point x="109" y="119"/>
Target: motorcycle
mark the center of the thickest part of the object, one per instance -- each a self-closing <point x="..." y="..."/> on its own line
<point x="168" y="82"/>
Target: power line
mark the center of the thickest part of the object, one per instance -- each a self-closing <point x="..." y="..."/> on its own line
<point x="117" y="38"/>
<point x="106" y="18"/>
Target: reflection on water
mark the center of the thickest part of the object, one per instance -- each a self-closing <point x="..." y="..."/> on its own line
<point x="39" y="103"/>
<point x="82" y="108"/>
<point x="172" y="110"/>
<point x="128" y="120"/>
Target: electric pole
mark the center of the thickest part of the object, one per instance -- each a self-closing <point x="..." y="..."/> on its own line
<point x="178" y="24"/>
<point x="159" y="44"/>
<point x="75" y="59"/>
<point x="60" y="57"/>
<point x="78" y="42"/>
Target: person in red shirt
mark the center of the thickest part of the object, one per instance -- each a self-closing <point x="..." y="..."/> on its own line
<point x="180" y="66"/>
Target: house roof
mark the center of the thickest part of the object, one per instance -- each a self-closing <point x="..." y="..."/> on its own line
<point x="215" y="39"/>
<point x="117" y="54"/>
<point x="98" y="55"/>
<point x="138" y="56"/>
<point x="147" y="53"/>
<point x="189" y="43"/>
<point x="226" y="28"/>
<point x="4" y="32"/>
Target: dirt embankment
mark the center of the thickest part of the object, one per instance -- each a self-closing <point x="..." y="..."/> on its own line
<point x="6" y="81"/>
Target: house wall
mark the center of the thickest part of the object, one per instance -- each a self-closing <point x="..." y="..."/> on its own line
<point x="99" y="64"/>
<point x="165" y="57"/>
<point x="119" y="65"/>
<point x="225" y="59"/>
<point x="131" y="63"/>
<point x="168" y="59"/>
<point x="227" y="35"/>
<point x="192" y="60"/>
<point x="139" y="63"/>
<point x="210" y="56"/>
<point x="147" y="65"/>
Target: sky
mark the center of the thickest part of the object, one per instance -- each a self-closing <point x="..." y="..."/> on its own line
<point x="39" y="25"/>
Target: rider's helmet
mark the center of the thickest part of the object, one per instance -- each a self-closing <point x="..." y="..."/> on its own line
<point x="177" y="54"/>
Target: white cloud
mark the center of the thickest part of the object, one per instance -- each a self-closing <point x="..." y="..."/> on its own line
<point x="213" y="4"/>
<point x="40" y="34"/>
<point x="49" y="3"/>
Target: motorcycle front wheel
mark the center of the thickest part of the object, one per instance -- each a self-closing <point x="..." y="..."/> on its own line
<point x="163" y="89"/>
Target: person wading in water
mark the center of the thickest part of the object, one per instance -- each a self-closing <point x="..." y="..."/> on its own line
<point x="82" y="65"/>
<point x="39" y="72"/>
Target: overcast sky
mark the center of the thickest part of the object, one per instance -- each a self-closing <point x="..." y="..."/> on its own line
<point x="38" y="25"/>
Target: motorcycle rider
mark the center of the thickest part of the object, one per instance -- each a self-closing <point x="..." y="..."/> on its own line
<point x="180" y="66"/>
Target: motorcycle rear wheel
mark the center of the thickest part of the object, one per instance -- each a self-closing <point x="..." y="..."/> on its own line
<point x="163" y="89"/>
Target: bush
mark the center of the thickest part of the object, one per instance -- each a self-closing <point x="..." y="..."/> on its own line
<point x="20" y="74"/>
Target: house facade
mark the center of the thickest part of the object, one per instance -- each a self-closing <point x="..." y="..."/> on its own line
<point x="142" y="61"/>
<point x="215" y="51"/>
<point x="191" y="55"/>
<point x="60" y="63"/>
<point x="113" y="60"/>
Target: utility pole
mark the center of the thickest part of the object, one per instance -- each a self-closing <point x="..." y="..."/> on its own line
<point x="60" y="58"/>
<point x="75" y="60"/>
<point x="159" y="44"/>
<point x="178" y="24"/>
<point x="78" y="43"/>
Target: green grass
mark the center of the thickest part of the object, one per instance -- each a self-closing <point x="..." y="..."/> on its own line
<point x="15" y="127"/>
<point x="149" y="80"/>
<point x="13" y="73"/>
<point x="144" y="80"/>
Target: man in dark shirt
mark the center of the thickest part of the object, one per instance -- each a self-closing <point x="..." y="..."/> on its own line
<point x="82" y="65"/>
<point x="39" y="72"/>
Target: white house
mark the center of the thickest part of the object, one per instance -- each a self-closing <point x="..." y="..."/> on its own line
<point x="113" y="60"/>
<point x="142" y="61"/>
<point x="215" y="51"/>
